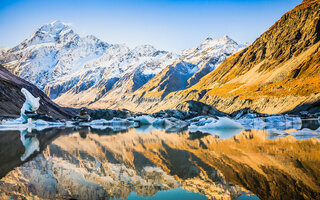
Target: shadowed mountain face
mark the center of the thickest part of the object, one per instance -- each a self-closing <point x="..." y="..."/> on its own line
<point x="278" y="72"/>
<point x="12" y="99"/>
<point x="89" y="165"/>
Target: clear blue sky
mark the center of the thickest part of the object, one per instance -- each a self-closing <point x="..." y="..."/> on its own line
<point x="169" y="25"/>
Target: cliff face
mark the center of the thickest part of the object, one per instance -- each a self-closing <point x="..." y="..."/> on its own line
<point x="12" y="99"/>
<point x="278" y="72"/>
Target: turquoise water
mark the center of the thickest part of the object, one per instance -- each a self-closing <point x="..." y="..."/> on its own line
<point x="246" y="197"/>
<point x="173" y="194"/>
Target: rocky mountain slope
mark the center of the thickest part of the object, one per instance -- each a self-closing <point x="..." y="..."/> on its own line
<point x="192" y="65"/>
<point x="12" y="99"/>
<point x="79" y="71"/>
<point x="278" y="72"/>
<point x="59" y="61"/>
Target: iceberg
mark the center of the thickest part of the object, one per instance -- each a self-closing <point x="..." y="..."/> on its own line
<point x="30" y="105"/>
<point x="253" y="123"/>
<point x="281" y="122"/>
<point x="170" y="124"/>
<point x="145" y="119"/>
<point x="211" y="123"/>
<point x="114" y="122"/>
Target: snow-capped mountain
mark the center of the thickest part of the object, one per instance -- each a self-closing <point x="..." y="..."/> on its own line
<point x="78" y="71"/>
<point x="118" y="69"/>
<point x="192" y="65"/>
<point x="51" y="52"/>
<point x="209" y="54"/>
<point x="58" y="60"/>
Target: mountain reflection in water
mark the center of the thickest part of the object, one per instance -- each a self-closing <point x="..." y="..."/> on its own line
<point x="85" y="163"/>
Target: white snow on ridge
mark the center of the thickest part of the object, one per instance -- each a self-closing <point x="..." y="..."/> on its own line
<point x="59" y="61"/>
<point x="217" y="49"/>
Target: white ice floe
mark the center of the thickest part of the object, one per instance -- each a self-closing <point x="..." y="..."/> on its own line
<point x="211" y="123"/>
<point x="145" y="119"/>
<point x="196" y="119"/>
<point x="280" y="122"/>
<point x="170" y="124"/>
<point x="17" y="124"/>
<point x="114" y="122"/>
<point x="201" y="121"/>
<point x="252" y="123"/>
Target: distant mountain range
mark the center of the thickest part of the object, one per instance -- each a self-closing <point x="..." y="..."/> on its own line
<point x="277" y="73"/>
<point x="78" y="71"/>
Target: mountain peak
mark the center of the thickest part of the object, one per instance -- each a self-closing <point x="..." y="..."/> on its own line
<point x="225" y="37"/>
<point x="49" y="33"/>
<point x="55" y="26"/>
<point x="144" y="50"/>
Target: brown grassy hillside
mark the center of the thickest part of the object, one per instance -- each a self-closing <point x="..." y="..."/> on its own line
<point x="278" y="72"/>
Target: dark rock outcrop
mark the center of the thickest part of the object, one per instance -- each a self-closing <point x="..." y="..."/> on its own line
<point x="12" y="99"/>
<point x="204" y="109"/>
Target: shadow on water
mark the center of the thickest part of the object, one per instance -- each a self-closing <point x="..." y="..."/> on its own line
<point x="15" y="146"/>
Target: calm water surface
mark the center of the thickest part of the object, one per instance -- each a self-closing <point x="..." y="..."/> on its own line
<point x="152" y="163"/>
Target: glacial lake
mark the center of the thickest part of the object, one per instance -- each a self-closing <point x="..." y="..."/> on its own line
<point x="154" y="163"/>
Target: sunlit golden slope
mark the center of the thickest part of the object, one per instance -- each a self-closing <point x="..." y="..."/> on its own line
<point x="278" y="72"/>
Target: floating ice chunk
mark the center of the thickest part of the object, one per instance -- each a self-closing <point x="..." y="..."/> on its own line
<point x="283" y="122"/>
<point x="17" y="124"/>
<point x="248" y="115"/>
<point x="252" y="123"/>
<point x="221" y="123"/>
<point x="170" y="124"/>
<point x="103" y="124"/>
<point x="196" y="119"/>
<point x="280" y="122"/>
<point x="225" y="123"/>
<point x="98" y="122"/>
<point x="42" y="124"/>
<point x="31" y="104"/>
<point x="145" y="119"/>
<point x="201" y="121"/>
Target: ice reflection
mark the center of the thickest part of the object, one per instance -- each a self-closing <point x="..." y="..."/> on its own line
<point x="31" y="144"/>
